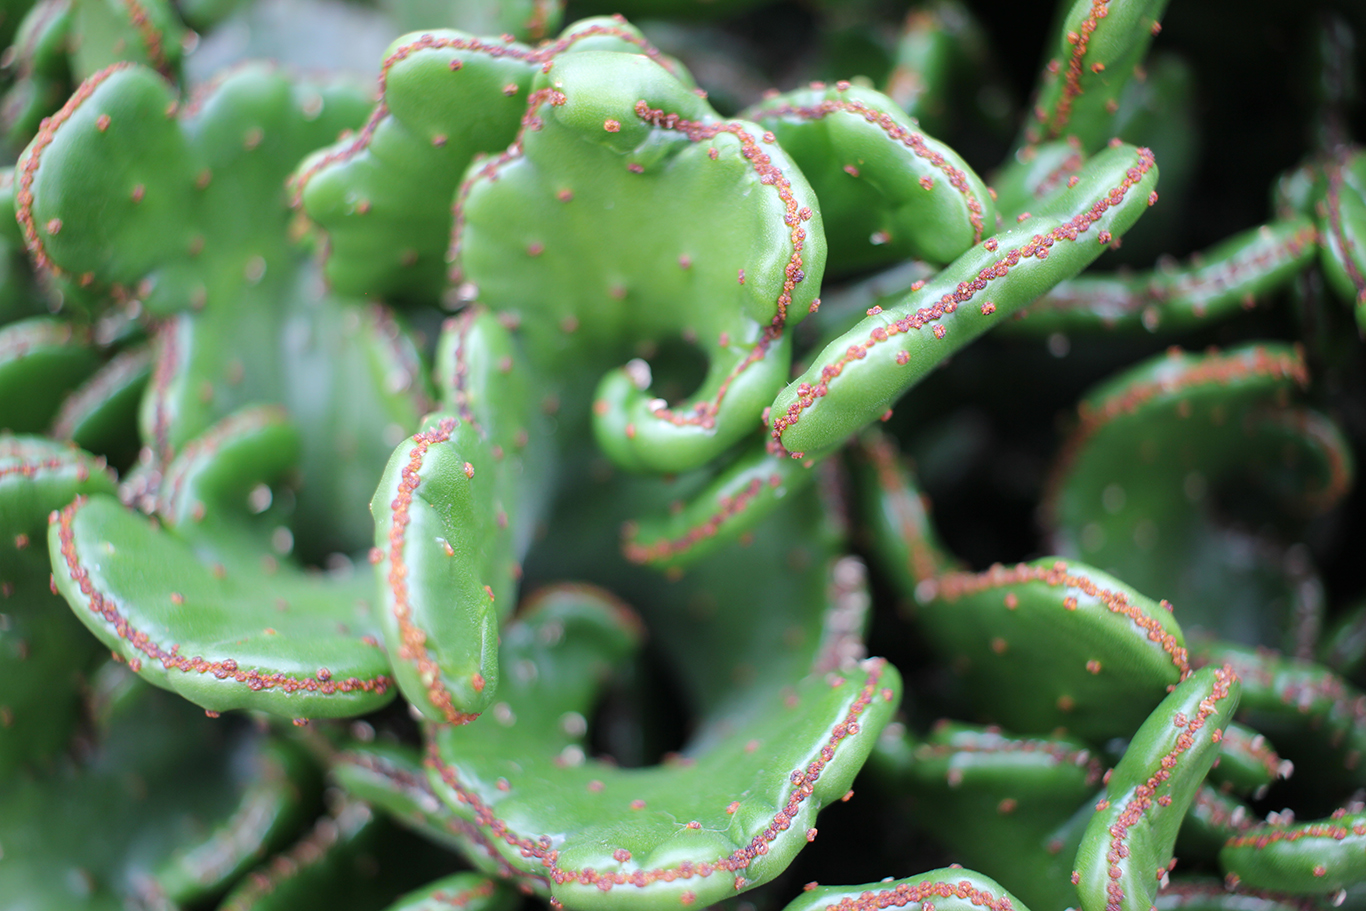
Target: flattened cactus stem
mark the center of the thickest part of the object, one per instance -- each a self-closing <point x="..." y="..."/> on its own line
<point x="1319" y="857"/>
<point x="949" y="889"/>
<point x="1099" y="44"/>
<point x="857" y="378"/>
<point x="1215" y="284"/>
<point x="736" y="501"/>
<point x="1128" y="844"/>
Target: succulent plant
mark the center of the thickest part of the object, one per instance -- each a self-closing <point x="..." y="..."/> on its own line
<point x="514" y="486"/>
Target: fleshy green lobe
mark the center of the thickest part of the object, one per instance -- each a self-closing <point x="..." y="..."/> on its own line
<point x="442" y="569"/>
<point x="858" y="377"/>
<point x="221" y="638"/>
<point x="653" y="220"/>
<point x="950" y="889"/>
<point x="888" y="191"/>
<point x="694" y="830"/>
<point x="1128" y="844"/>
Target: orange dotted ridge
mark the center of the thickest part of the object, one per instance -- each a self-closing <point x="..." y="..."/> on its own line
<point x="225" y="431"/>
<point x="1072" y="87"/>
<point x="1332" y="202"/>
<point x="1334" y="828"/>
<point x="172" y="660"/>
<point x="1213" y="369"/>
<point x="542" y="55"/>
<point x="152" y="38"/>
<point x="538" y="848"/>
<point x="1038" y="247"/>
<point x="897" y="133"/>
<point x="770" y="175"/>
<point x="921" y="893"/>
<point x="996" y="744"/>
<point x="413" y="646"/>
<point x="47" y="132"/>
<point x="1142" y="799"/>
<point x="728" y="507"/>
<point x="953" y="586"/>
<point x="1194" y="280"/>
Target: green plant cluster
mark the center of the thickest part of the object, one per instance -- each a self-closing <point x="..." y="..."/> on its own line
<point x="540" y="463"/>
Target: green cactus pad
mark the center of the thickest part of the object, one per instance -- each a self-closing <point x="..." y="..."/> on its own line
<point x="737" y="499"/>
<point x="1014" y="800"/>
<point x="351" y="858"/>
<point x="100" y="415"/>
<point x="858" y="377"/>
<point x="468" y="891"/>
<point x="193" y="608"/>
<point x="1342" y="225"/>
<point x="1248" y="764"/>
<point x="1298" y="700"/>
<point x="888" y="192"/>
<point x="1235" y="275"/>
<point x="44" y="654"/>
<point x="384" y="195"/>
<point x="1128" y="844"/>
<point x="41" y="360"/>
<point x="951" y="889"/>
<point x="735" y="250"/>
<point x="274" y="806"/>
<point x="176" y="214"/>
<point x="1309" y="858"/>
<point x="453" y="514"/>
<point x="1100" y="654"/>
<point x="1128" y="492"/>
<point x="436" y="509"/>
<point x="1098" y="46"/>
<point x="696" y="830"/>
<point x="156" y="782"/>
<point x="287" y="643"/>
<point x="1217" y="895"/>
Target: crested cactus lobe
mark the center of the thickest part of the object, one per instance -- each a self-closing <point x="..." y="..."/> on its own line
<point x="888" y="191"/>
<point x="454" y="513"/>
<point x="463" y="891"/>
<point x="1248" y="764"/>
<point x="1342" y="224"/>
<point x="44" y="654"/>
<point x="1128" y="844"/>
<point x="384" y="195"/>
<point x="43" y="70"/>
<point x="1019" y="804"/>
<point x="1300" y="701"/>
<point x="818" y="608"/>
<point x="859" y="376"/>
<point x="695" y="830"/>
<point x="1099" y="654"/>
<point x="195" y="607"/>
<point x="1215" y="284"/>
<point x="274" y="805"/>
<point x="41" y="359"/>
<point x="950" y="889"/>
<point x="191" y="217"/>
<point x="188" y="206"/>
<point x="1099" y="45"/>
<point x="1134" y="488"/>
<point x="1309" y="858"/>
<point x="155" y="781"/>
<point x="654" y="220"/>
<point x="105" y="32"/>
<point x="1199" y="894"/>
<point x="736" y="500"/>
<point x="100" y="415"/>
